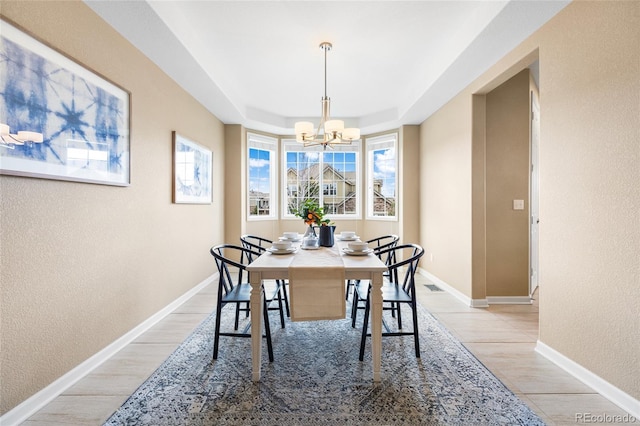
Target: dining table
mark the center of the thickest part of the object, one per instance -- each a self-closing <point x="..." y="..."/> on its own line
<point x="316" y="276"/>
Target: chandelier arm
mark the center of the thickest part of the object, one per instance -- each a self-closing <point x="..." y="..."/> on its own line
<point x="8" y="144"/>
<point x="12" y="139"/>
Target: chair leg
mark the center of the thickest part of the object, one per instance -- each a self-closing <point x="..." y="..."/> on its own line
<point x="286" y="298"/>
<point x="216" y="339"/>
<point x="416" y="336"/>
<point x="354" y="308"/>
<point x="364" y="328"/>
<point x="398" y="306"/>
<point x="280" y="306"/>
<point x="237" y="320"/>
<point x="267" y="330"/>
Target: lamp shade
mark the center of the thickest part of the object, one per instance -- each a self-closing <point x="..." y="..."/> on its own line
<point x="304" y="128"/>
<point x="333" y="126"/>
<point x="30" y="136"/>
<point x="351" y="134"/>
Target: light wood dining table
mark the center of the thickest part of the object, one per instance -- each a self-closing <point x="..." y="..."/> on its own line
<point x="271" y="266"/>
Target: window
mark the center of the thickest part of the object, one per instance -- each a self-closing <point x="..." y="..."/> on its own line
<point x="261" y="181"/>
<point x="382" y="185"/>
<point x="95" y="155"/>
<point x="329" y="189"/>
<point x="331" y="177"/>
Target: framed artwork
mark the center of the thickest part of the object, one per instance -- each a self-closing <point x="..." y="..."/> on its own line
<point x="83" y="117"/>
<point x="192" y="172"/>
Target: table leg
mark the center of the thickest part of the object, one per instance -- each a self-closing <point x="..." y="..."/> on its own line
<point x="255" y="278"/>
<point x="376" y="323"/>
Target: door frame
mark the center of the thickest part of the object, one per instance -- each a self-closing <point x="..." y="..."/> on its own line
<point x="534" y="195"/>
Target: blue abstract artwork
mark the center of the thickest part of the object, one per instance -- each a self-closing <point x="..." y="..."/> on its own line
<point x="192" y="172"/>
<point x="84" y="118"/>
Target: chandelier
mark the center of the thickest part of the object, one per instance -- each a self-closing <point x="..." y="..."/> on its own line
<point x="10" y="140"/>
<point x="330" y="132"/>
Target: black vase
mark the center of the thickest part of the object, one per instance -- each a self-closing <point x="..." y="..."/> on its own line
<point x="326" y="235"/>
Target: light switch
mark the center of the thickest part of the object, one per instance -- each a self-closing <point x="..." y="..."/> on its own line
<point x="518" y="204"/>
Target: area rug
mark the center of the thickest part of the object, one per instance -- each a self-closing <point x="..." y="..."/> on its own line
<point x="317" y="379"/>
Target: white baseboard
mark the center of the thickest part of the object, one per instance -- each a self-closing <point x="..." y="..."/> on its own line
<point x="509" y="300"/>
<point x="479" y="303"/>
<point x="30" y="406"/>
<point x="474" y="303"/>
<point x="604" y="388"/>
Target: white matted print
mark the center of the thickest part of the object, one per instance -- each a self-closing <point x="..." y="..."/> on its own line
<point x="192" y="172"/>
<point x="84" y="119"/>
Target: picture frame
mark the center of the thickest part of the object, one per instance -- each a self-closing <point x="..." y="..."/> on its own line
<point x="192" y="172"/>
<point x="83" y="117"/>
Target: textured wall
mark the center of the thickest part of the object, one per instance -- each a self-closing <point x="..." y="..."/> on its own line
<point x="506" y="179"/>
<point x="589" y="192"/>
<point x="82" y="264"/>
<point x="590" y="189"/>
<point x="445" y="193"/>
<point x="409" y="182"/>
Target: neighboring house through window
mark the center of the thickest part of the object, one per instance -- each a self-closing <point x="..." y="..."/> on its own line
<point x="331" y="177"/>
<point x="382" y="184"/>
<point x="261" y="176"/>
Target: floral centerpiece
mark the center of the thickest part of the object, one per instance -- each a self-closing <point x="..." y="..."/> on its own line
<point x="312" y="214"/>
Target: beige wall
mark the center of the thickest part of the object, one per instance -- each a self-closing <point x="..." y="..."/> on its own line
<point x="445" y="193"/>
<point x="589" y="192"/>
<point x="506" y="179"/>
<point x="478" y="198"/>
<point x="409" y="184"/>
<point x="235" y="140"/>
<point x="590" y="196"/>
<point x="83" y="264"/>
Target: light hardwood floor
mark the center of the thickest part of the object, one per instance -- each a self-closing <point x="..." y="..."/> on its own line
<point x="502" y="337"/>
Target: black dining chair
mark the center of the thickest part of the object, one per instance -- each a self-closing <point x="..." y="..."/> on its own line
<point x="377" y="244"/>
<point x="255" y="243"/>
<point x="398" y="289"/>
<point x="388" y="257"/>
<point x="234" y="288"/>
<point x="260" y="245"/>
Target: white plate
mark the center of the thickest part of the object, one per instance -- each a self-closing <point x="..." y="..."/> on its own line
<point x="293" y="240"/>
<point x="285" y="251"/>
<point x="354" y="238"/>
<point x="357" y="252"/>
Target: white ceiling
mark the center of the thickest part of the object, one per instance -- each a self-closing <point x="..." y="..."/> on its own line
<point x="258" y="63"/>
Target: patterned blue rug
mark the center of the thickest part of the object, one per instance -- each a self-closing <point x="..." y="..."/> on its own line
<point x="316" y="379"/>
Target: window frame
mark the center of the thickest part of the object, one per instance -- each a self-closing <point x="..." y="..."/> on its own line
<point x="371" y="145"/>
<point x="291" y="145"/>
<point x="264" y="143"/>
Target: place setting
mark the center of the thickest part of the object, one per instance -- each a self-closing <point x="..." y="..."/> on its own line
<point x="347" y="236"/>
<point x="357" y="248"/>
<point x="281" y="247"/>
<point x="293" y="237"/>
